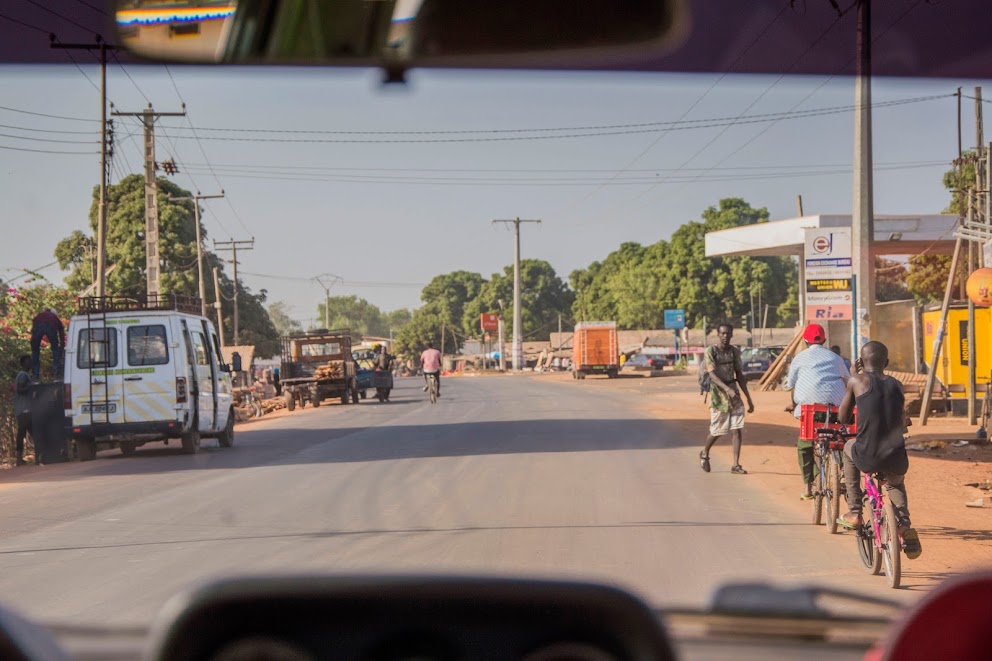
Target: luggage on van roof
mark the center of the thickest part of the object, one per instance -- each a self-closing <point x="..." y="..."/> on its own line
<point x="141" y="302"/>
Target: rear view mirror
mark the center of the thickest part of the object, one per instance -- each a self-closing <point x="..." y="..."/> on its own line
<point x="393" y="33"/>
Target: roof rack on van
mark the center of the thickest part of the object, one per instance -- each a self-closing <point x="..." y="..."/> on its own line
<point x="170" y="302"/>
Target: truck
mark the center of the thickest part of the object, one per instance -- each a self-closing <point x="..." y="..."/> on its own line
<point x="595" y="349"/>
<point x="316" y="365"/>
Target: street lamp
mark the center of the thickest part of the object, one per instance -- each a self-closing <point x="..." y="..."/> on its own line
<point x="502" y="354"/>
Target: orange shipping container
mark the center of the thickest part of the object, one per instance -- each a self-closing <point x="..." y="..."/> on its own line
<point x="595" y="350"/>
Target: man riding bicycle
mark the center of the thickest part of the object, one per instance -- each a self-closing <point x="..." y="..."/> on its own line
<point x="816" y="376"/>
<point x="879" y="446"/>
<point x="430" y="361"/>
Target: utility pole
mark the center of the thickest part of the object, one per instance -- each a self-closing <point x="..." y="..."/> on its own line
<point x="234" y="246"/>
<point x="862" y="220"/>
<point x="559" y="332"/>
<point x="101" y="217"/>
<point x="220" y="318"/>
<point x="518" y="345"/>
<point x="974" y="213"/>
<point x="327" y="296"/>
<point x="195" y="199"/>
<point x="152" y="258"/>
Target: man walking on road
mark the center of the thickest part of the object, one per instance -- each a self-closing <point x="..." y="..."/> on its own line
<point x="430" y="361"/>
<point x="723" y="364"/>
<point x="816" y="376"/>
<point x="22" y="407"/>
<point x="47" y="325"/>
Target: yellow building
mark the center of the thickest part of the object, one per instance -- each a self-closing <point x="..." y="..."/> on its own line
<point x="953" y="366"/>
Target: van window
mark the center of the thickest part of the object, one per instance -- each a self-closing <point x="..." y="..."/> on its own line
<point x="147" y="345"/>
<point x="97" y="348"/>
<point x="199" y="349"/>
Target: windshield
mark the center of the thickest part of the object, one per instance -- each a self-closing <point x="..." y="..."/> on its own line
<point x="649" y="189"/>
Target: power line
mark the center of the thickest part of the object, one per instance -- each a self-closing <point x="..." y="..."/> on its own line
<point x="49" y="151"/>
<point x="34" y="130"/>
<point x="531" y="182"/>
<point x="96" y="9"/>
<point x="63" y="17"/>
<point x="602" y="129"/>
<point x="22" y="23"/>
<point x="121" y="65"/>
<point x="43" y="114"/>
<point x="818" y="87"/>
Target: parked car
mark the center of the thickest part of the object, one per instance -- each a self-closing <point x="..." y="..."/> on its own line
<point x="642" y="364"/>
<point x="757" y="360"/>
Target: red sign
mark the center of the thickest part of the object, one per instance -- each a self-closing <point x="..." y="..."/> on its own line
<point x="489" y="321"/>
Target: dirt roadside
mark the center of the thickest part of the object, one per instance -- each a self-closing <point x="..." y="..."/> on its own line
<point x="956" y="538"/>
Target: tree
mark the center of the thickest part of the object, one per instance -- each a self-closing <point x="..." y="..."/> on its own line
<point x="283" y="323"/>
<point x="424" y="327"/>
<point x="177" y="248"/>
<point x="543" y="297"/>
<point x="356" y="314"/>
<point x="890" y="280"/>
<point x="928" y="273"/>
<point x="635" y="284"/>
<point x="446" y="297"/>
<point x="397" y="319"/>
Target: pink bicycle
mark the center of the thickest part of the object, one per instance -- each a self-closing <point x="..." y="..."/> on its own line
<point x="878" y="535"/>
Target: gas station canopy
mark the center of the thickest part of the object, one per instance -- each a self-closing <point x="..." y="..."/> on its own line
<point x="894" y="235"/>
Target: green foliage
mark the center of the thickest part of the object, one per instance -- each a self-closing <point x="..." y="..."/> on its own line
<point x="446" y="297"/>
<point x="635" y="284"/>
<point x="17" y="311"/>
<point x="890" y="281"/>
<point x="927" y="277"/>
<point x="424" y="327"/>
<point x="543" y="297"/>
<point x="283" y="323"/>
<point x="177" y="247"/>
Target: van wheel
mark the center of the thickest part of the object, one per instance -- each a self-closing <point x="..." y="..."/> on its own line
<point x="128" y="448"/>
<point x="191" y="439"/>
<point x="290" y="401"/>
<point x="85" y="449"/>
<point x="226" y="438"/>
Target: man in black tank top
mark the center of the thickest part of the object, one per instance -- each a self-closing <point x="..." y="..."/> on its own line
<point x="879" y="446"/>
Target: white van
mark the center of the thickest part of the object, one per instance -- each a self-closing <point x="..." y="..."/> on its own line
<point x="145" y="369"/>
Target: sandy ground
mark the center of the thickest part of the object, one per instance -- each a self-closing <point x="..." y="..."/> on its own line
<point x="956" y="538"/>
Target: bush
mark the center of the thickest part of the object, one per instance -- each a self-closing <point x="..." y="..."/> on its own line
<point x="20" y="306"/>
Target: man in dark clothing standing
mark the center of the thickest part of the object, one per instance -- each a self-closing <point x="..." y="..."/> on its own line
<point x="47" y="325"/>
<point x="22" y="406"/>
<point x="880" y="446"/>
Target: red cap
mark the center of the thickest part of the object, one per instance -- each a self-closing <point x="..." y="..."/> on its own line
<point x="814" y="334"/>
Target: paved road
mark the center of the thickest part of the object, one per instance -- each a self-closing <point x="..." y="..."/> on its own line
<point x="513" y="474"/>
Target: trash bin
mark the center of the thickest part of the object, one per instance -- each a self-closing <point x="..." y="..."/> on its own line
<point x="48" y="423"/>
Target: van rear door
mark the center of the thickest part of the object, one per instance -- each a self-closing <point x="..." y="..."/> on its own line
<point x="96" y="383"/>
<point x="149" y="376"/>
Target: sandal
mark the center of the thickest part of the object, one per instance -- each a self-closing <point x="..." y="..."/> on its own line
<point x="738" y="469"/>
<point x="911" y="543"/>
<point x="704" y="461"/>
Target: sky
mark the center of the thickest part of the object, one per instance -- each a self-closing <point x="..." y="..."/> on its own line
<point x="387" y="216"/>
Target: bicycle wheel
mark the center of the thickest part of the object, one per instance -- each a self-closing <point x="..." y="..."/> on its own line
<point x="891" y="548"/>
<point x="871" y="560"/>
<point x="433" y="390"/>
<point x="833" y="495"/>
<point x="818" y="495"/>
